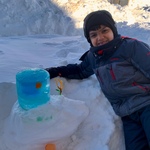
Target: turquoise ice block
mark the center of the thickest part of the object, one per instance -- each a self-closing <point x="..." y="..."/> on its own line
<point x="33" y="88"/>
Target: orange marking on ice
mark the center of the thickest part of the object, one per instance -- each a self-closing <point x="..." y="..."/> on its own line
<point x="50" y="147"/>
<point x="38" y="85"/>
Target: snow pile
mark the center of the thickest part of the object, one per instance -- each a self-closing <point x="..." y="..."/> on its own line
<point x="57" y="119"/>
<point x="78" y="10"/>
<point x="25" y="17"/>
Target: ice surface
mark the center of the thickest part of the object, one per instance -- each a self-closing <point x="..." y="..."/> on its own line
<point x="33" y="87"/>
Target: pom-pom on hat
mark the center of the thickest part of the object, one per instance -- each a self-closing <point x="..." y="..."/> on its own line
<point x="96" y="18"/>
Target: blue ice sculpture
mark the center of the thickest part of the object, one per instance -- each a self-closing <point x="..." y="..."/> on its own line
<point x="33" y="87"/>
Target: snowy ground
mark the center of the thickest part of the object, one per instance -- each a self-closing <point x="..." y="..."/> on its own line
<point x="39" y="35"/>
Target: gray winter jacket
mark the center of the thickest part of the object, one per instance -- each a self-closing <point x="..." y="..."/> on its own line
<point x="122" y="68"/>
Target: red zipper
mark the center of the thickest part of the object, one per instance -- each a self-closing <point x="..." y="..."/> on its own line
<point x="112" y="74"/>
<point x="141" y="87"/>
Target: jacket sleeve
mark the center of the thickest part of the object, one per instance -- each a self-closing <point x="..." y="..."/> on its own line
<point x="72" y="71"/>
<point x="140" y="57"/>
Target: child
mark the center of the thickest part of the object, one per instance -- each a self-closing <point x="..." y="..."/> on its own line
<point x="122" y="67"/>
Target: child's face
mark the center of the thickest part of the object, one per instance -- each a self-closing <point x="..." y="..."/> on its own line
<point x="101" y="36"/>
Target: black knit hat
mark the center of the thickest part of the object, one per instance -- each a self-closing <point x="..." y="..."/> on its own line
<point x="96" y="18"/>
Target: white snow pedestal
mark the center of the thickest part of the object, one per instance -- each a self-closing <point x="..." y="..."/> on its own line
<point x="57" y="119"/>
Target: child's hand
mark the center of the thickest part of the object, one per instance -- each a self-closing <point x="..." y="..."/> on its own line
<point x="53" y="72"/>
